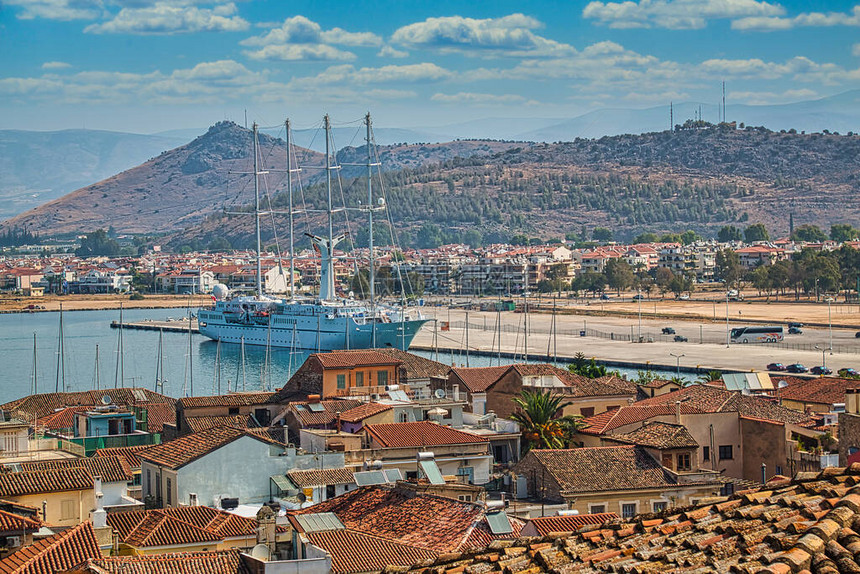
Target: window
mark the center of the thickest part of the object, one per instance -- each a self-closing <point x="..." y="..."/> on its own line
<point x="596" y="508"/>
<point x="169" y="492"/>
<point x="587" y="411"/>
<point x="359" y="378"/>
<point x="329" y="492"/>
<point x="233" y="411"/>
<point x="148" y="481"/>
<point x="67" y="510"/>
<point x="726" y="452"/>
<point x="778" y="469"/>
<point x="727" y="489"/>
<point x="341" y="381"/>
<point x="403" y="417"/>
<point x="706" y="454"/>
<point x="381" y="378"/>
<point x="464" y="497"/>
<point x="628" y="510"/>
<point x="660" y="506"/>
<point x="684" y="461"/>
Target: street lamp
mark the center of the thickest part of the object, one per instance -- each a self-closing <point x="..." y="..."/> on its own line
<point x="823" y="359"/>
<point x="830" y="322"/>
<point x="678" y="365"/>
<point x="639" y="300"/>
<point x="727" y="320"/>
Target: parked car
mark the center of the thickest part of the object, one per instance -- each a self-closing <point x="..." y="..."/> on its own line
<point x="680" y="339"/>
<point x="857" y="335"/>
<point x="776" y="367"/>
<point x="668" y="331"/>
<point x="818" y="370"/>
<point x="684" y="297"/>
<point x="794" y="324"/>
<point x="604" y="296"/>
<point x="795" y="331"/>
<point x="796" y="368"/>
<point x="848" y="372"/>
<point x="638" y="297"/>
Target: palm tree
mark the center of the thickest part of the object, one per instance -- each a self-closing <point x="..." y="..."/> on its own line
<point x="538" y="421"/>
<point x="710" y="376"/>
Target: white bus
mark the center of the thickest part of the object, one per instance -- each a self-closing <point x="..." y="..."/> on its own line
<point x="766" y="334"/>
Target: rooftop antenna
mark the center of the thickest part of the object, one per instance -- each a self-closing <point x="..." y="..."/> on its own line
<point x="671" y="117"/>
<point x="246" y="118"/>
<point x="724" y="101"/>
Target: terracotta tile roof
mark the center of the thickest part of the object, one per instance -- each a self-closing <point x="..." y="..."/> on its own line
<point x="47" y="403"/>
<point x="621" y="385"/>
<point x="363" y="411"/>
<point x="197" y="424"/>
<point x="228" y="400"/>
<point x="14" y="524"/>
<point x="602" y="468"/>
<point x="45" y="481"/>
<point x="807" y="525"/>
<point x="54" y="554"/>
<point x="62" y="419"/>
<point x="179" y="452"/>
<point x="479" y="379"/>
<point x="415" y="366"/>
<point x="109" y="468"/>
<point x="347" y="359"/>
<point x="544" y="525"/>
<point x="354" y="552"/>
<point x="158" y="528"/>
<point x="423" y="520"/>
<point x="658" y="384"/>
<point x="214" y="521"/>
<point x="658" y="435"/>
<point x="128" y="453"/>
<point x="159" y="414"/>
<point x="212" y="562"/>
<point x="823" y="390"/>
<point x="579" y="386"/>
<point x="610" y="420"/>
<point x="324" y="477"/>
<point x="417" y="434"/>
<point x="325" y="417"/>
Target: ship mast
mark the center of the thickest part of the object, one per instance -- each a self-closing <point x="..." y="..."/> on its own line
<point x="371" y="273"/>
<point x="290" y="190"/>
<point x="257" y="212"/>
<point x="328" y="185"/>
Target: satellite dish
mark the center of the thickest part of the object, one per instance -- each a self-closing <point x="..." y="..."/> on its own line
<point x="301" y="497"/>
<point x="782" y="385"/>
<point x="439" y="393"/>
<point x="106" y="400"/>
<point x="261" y="552"/>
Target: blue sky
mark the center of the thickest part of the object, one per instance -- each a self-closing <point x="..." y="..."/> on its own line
<point x="152" y="65"/>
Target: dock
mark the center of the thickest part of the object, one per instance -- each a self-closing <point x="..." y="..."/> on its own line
<point x="177" y="326"/>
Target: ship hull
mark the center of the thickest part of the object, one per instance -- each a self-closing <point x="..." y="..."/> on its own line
<point x="311" y="333"/>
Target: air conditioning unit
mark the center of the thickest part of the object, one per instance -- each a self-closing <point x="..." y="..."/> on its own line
<point x="14" y="541"/>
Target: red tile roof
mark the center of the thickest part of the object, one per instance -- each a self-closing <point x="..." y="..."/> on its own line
<point x="211" y="562"/>
<point x="544" y="525"/>
<point x="198" y="424"/>
<point x="14" y="524"/>
<point x="348" y="359"/>
<point x="658" y="435"/>
<point x="228" y="400"/>
<point x="355" y="552"/>
<point x="159" y="414"/>
<point x="363" y="411"/>
<point x="158" y="528"/>
<point x="479" y="379"/>
<point x="47" y="403"/>
<point x="415" y="366"/>
<point x="418" y="434"/>
<point x="128" y="453"/>
<point x="109" y="468"/>
<point x="324" y="417"/>
<point x="323" y="477"/>
<point x="62" y="419"/>
<point x="45" y="481"/>
<point x="216" y="522"/>
<point x="423" y="520"/>
<point x="179" y="452"/>
<point x="56" y="553"/>
<point x="823" y="390"/>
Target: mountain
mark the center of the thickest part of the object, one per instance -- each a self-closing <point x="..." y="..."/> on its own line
<point x="182" y="186"/>
<point x="36" y="167"/>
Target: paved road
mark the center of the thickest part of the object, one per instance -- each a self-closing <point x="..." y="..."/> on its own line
<point x="609" y="338"/>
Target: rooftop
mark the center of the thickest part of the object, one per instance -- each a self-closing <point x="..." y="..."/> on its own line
<point x="358" y="358"/>
<point x="179" y="452"/>
<point x="419" y="434"/>
<point x="56" y="553"/>
<point x="45" y="481"/>
<point x="228" y="400"/>
<point x="211" y="562"/>
<point x="658" y="435"/>
<point x="353" y="551"/>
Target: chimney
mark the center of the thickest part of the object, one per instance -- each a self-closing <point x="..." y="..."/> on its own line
<point x="98" y="516"/>
<point x="313" y="398"/>
<point x="455" y="392"/>
<point x="337" y="420"/>
<point x="763" y="473"/>
<point x="677" y="412"/>
<point x="192" y="499"/>
<point x="852" y="401"/>
<point x="266" y="527"/>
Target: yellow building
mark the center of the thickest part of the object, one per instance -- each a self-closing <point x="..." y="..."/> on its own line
<point x="65" y="496"/>
<point x="344" y="373"/>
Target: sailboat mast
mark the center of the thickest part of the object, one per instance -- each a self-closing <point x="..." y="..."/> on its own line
<point x="328" y="187"/>
<point x="96" y="376"/>
<point x="290" y="190"/>
<point x="35" y="363"/>
<point x="257" y="212"/>
<point x="372" y="260"/>
<point x="61" y="356"/>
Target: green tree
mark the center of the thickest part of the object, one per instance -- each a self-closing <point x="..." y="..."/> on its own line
<point x="689" y="237"/>
<point x="729" y="233"/>
<point x="586" y="367"/>
<point x="756" y="232"/>
<point x="538" y="419"/>
<point x="602" y="234"/>
<point x="97" y="244"/>
<point x="647" y="237"/>
<point x="809" y="233"/>
<point x="710" y="376"/>
<point x="728" y="267"/>
<point x="618" y="273"/>
<point x="842" y="232"/>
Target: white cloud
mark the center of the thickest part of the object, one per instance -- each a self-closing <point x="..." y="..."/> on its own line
<point x="299" y="38"/>
<point x="55" y="65"/>
<point x="767" y="98"/>
<point x="58" y="9"/>
<point x="807" y="19"/>
<point x="676" y="14"/>
<point x="389" y="52"/>
<point x="172" y="18"/>
<point x="491" y="37"/>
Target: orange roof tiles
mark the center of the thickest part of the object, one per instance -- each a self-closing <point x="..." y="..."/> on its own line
<point x="109" y="468"/>
<point x="418" y="434"/>
<point x="324" y="417"/>
<point x="179" y="452"/>
<point x="544" y="525"/>
<point x="198" y="424"/>
<point x="46" y="403"/>
<point x="56" y="553"/>
<point x="228" y="400"/>
<point x="658" y="435"/>
<point x="45" y="481"/>
<point x="14" y="524"/>
<point x="160" y="529"/>
<point x="321" y="477"/>
<point x="347" y="359"/>
<point x="363" y="411"/>
<point x="479" y="379"/>
<point x="211" y="562"/>
<point x="353" y="551"/>
<point x="128" y="453"/>
<point x="216" y="522"/>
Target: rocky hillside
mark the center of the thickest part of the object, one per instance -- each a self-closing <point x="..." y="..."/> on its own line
<point x="183" y="186"/>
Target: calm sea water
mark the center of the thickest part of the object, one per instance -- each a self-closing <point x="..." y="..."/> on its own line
<point x="84" y="330"/>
